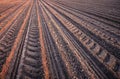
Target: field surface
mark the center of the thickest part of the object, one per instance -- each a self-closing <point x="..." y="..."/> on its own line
<point x="59" y="39"/>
